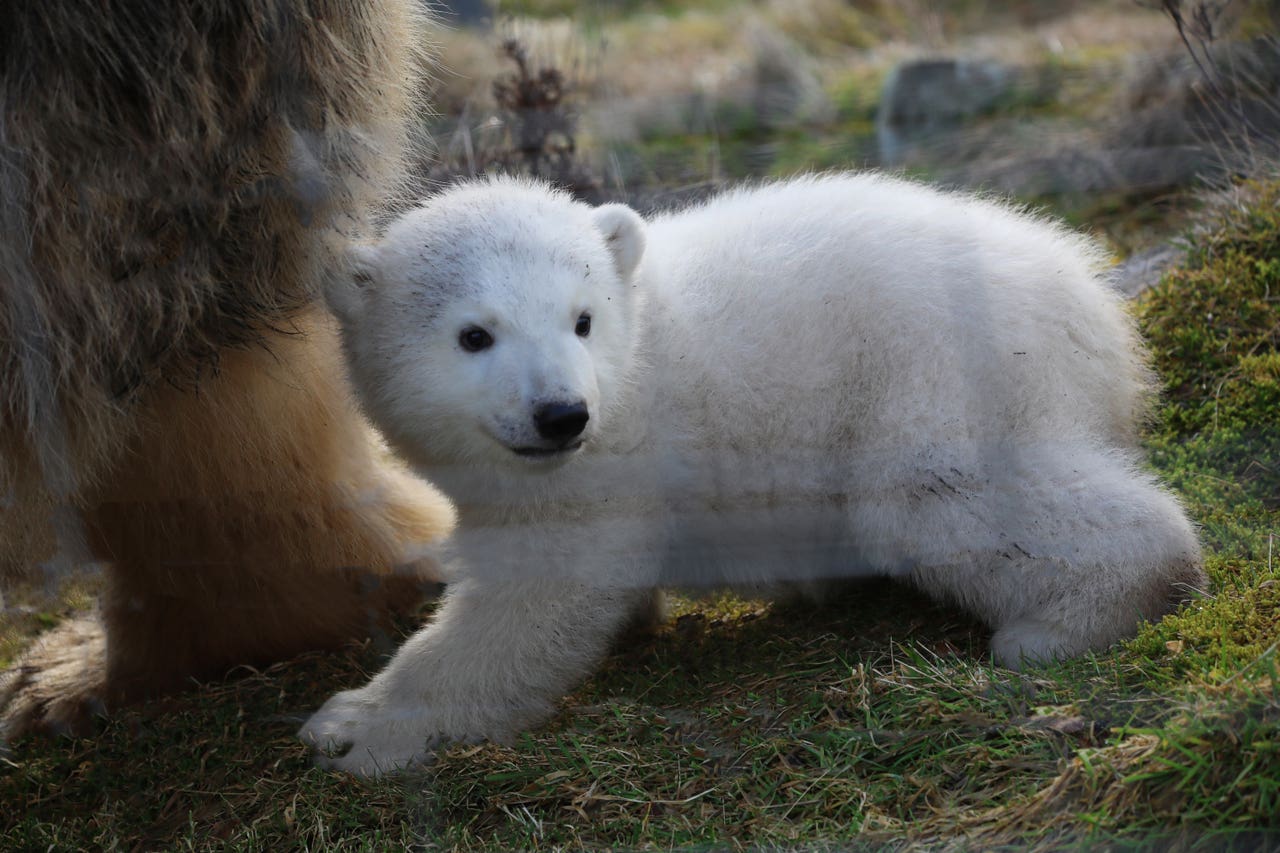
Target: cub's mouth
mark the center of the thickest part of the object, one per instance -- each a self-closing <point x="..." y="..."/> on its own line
<point x="548" y="452"/>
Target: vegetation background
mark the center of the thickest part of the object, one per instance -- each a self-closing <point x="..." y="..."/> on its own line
<point x="876" y="720"/>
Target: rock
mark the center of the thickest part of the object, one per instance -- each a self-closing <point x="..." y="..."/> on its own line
<point x="1143" y="270"/>
<point x="922" y="98"/>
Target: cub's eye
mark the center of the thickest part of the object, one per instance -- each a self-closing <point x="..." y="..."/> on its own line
<point x="474" y="339"/>
<point x="583" y="328"/>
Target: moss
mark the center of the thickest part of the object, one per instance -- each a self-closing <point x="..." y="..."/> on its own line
<point x="1216" y="639"/>
<point x="1216" y="310"/>
<point x="1212" y="325"/>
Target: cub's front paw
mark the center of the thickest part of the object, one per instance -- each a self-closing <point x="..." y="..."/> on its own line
<point x="361" y="732"/>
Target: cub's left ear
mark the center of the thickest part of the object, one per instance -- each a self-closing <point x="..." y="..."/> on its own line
<point x="623" y="231"/>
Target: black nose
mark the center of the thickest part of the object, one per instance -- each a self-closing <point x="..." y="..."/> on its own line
<point x="561" y="421"/>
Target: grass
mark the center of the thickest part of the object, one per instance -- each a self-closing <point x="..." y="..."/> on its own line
<point x="874" y="720"/>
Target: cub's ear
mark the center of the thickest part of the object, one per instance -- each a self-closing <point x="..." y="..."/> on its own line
<point x="623" y="231"/>
<point x="349" y="288"/>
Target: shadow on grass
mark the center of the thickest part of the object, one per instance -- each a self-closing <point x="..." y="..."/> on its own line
<point x="709" y="686"/>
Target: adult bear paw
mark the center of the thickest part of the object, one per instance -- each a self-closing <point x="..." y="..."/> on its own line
<point x="57" y="686"/>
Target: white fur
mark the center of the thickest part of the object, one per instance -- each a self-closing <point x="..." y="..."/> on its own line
<point x="812" y="379"/>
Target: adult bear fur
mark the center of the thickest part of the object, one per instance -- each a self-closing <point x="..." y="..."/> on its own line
<point x="174" y="179"/>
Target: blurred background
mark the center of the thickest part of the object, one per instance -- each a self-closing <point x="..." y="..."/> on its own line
<point x="1112" y="114"/>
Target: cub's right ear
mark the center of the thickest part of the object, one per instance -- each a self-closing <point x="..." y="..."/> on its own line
<point x="349" y="288"/>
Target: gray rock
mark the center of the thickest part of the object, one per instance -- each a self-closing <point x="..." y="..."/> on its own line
<point x="1143" y="270"/>
<point x="922" y="98"/>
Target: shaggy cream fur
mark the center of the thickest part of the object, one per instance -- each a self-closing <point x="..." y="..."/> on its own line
<point x="174" y="178"/>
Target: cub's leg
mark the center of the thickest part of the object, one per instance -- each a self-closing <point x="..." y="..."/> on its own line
<point x="1061" y="548"/>
<point x="501" y="649"/>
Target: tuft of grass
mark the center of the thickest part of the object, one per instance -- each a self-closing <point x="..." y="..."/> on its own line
<point x="534" y="131"/>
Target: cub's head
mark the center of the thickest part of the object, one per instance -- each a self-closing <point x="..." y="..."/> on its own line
<point x="494" y="323"/>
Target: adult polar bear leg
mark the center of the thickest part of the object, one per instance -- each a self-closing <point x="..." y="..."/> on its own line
<point x="492" y="663"/>
<point x="249" y="521"/>
<point x="156" y="217"/>
<point x="1061" y="548"/>
<point x="248" y="567"/>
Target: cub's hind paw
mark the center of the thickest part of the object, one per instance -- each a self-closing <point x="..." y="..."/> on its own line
<point x="1028" y="642"/>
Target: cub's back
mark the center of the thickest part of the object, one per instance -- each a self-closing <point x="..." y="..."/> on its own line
<point x="834" y="307"/>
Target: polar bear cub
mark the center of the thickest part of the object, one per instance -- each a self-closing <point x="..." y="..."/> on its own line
<point x="829" y="376"/>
